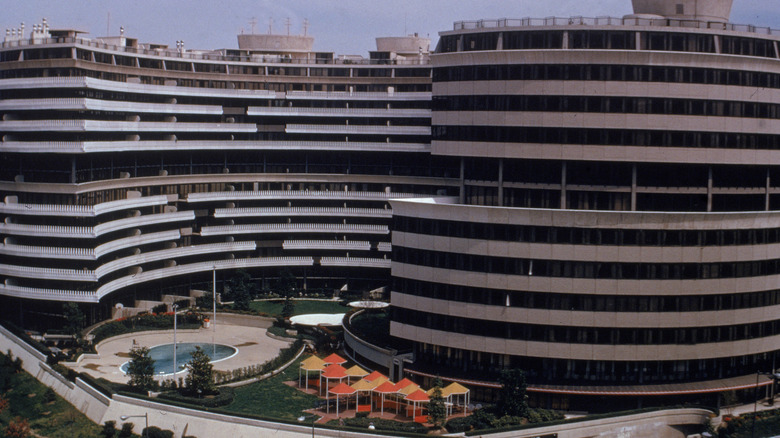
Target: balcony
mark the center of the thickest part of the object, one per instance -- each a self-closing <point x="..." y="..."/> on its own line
<point x="356" y="262"/>
<point x="338" y="112"/>
<point x="81" y="210"/>
<point x="48" y="294"/>
<point x="76" y="147"/>
<point x="48" y="273"/>
<point x="343" y="245"/>
<point x="294" y="128"/>
<point x="134" y="241"/>
<point x="358" y="95"/>
<point x="303" y="211"/>
<point x="121" y="126"/>
<point x="125" y="87"/>
<point x="85" y="104"/>
<point x="193" y="268"/>
<point x="172" y="254"/>
<point x="295" y="194"/>
<point x="228" y="230"/>
<point x="47" y="252"/>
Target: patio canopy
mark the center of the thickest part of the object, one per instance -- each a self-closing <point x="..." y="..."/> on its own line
<point x="311" y="364"/>
<point x="374" y="375"/>
<point x="340" y="389"/>
<point x="334" y="358"/>
<point x="356" y="371"/>
<point x="385" y="388"/>
<point x="334" y="371"/>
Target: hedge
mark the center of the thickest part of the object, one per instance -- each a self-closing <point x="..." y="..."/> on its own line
<point x="224" y="398"/>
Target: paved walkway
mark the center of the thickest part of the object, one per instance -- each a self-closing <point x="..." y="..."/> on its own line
<point x="254" y="348"/>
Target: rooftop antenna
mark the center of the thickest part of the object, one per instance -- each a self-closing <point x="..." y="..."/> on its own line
<point x="270" y="25"/>
<point x="287" y="24"/>
<point x="253" y="22"/>
<point x="305" y="26"/>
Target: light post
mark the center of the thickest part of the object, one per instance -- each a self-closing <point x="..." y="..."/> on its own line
<point x="303" y="417"/>
<point x="174" y="307"/>
<point x="214" y="317"/>
<point x="146" y="417"/>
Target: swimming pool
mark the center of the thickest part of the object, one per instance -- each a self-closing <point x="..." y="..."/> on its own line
<point x="163" y="355"/>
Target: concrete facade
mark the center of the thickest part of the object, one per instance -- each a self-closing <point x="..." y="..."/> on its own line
<point x="604" y="189"/>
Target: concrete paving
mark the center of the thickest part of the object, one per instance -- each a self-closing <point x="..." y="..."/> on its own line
<point x="254" y="347"/>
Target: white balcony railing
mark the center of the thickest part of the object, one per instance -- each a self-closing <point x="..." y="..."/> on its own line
<point x="338" y="112"/>
<point x="361" y="262"/>
<point x="134" y="241"/>
<point x="172" y="254"/>
<point x="302" y="211"/>
<point x="48" y="294"/>
<point x="121" y="126"/>
<point x="76" y="147"/>
<point x="82" y="210"/>
<point x="47" y="252"/>
<point x="222" y="230"/>
<point x="192" y="268"/>
<point x="294" y="128"/>
<point x="358" y="95"/>
<point x="295" y="194"/>
<point x="347" y="245"/>
<point x="83" y="103"/>
<point x="48" y="273"/>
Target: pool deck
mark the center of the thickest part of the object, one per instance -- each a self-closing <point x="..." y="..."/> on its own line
<point x="254" y="347"/>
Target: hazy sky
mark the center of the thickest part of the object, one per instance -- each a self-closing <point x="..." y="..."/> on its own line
<point x="341" y="26"/>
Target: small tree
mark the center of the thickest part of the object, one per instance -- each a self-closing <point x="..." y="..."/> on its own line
<point x="200" y="376"/>
<point x="205" y="301"/>
<point x="108" y="430"/>
<point x="240" y="289"/>
<point x="288" y="308"/>
<point x="512" y="399"/>
<point x="437" y="410"/>
<point x="74" y="319"/>
<point x="141" y="369"/>
<point x="126" y="431"/>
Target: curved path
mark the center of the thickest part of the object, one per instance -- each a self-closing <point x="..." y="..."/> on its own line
<point x="254" y="348"/>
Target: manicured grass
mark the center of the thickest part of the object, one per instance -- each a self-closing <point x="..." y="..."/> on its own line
<point x="52" y="419"/>
<point x="302" y="307"/>
<point x="272" y="398"/>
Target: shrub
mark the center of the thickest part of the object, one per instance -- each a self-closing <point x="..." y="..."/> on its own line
<point x="108" y="430"/>
<point x="160" y="308"/>
<point x="381" y="424"/>
<point x="126" y="431"/>
<point x="223" y="398"/>
<point x="156" y="432"/>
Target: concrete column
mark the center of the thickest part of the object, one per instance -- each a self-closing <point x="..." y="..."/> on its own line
<point x="766" y="195"/>
<point x="501" y="182"/>
<point x="462" y="191"/>
<point x="563" y="186"/>
<point x="709" y="188"/>
<point x="633" y="187"/>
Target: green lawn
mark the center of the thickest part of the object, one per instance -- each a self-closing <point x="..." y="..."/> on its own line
<point x="272" y="398"/>
<point x="52" y="419"/>
<point x="301" y="307"/>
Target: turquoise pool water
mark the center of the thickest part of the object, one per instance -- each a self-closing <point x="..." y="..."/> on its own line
<point x="163" y="355"/>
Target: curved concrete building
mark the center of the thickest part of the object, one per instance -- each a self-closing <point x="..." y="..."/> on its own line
<point x="133" y="172"/>
<point x="617" y="231"/>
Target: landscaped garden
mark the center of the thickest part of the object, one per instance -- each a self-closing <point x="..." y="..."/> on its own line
<point x="301" y="307"/>
<point x="27" y="406"/>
